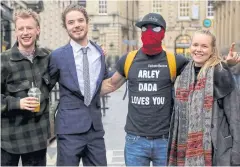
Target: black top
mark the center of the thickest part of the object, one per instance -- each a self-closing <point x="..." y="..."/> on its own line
<point x="197" y="70"/>
<point x="150" y="93"/>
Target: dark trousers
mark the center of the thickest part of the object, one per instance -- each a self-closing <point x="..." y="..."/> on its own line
<point x="89" y="147"/>
<point x="37" y="158"/>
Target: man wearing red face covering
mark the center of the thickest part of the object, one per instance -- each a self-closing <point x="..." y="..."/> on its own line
<point x="150" y="96"/>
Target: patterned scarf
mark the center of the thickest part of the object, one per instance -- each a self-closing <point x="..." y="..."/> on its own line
<point x="191" y="144"/>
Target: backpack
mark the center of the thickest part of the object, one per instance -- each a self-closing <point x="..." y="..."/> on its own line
<point x="170" y="59"/>
<point x="171" y="64"/>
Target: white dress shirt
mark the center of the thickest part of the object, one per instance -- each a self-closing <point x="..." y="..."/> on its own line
<point x="94" y="60"/>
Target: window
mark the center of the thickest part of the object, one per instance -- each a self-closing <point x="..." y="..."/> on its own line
<point x="210" y="12"/>
<point x="183" y="10"/>
<point x="102" y="6"/>
<point x="82" y="3"/>
<point x="157" y="6"/>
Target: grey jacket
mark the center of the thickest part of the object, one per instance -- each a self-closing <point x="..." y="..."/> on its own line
<point x="226" y="120"/>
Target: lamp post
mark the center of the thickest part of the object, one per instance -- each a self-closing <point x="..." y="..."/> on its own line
<point x="110" y="62"/>
<point x="95" y="34"/>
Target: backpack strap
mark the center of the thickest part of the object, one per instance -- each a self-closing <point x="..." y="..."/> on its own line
<point x="131" y="55"/>
<point x="171" y="59"/>
<point x="128" y="62"/>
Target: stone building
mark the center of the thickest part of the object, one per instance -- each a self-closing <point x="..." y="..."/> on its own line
<point x="112" y="23"/>
<point x="112" y="20"/>
<point x="115" y="21"/>
<point x="227" y="23"/>
<point x="6" y="20"/>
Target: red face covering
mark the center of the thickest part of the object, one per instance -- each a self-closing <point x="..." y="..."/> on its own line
<point x="152" y="41"/>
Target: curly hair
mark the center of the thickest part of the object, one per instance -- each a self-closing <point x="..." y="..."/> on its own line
<point x="73" y="7"/>
<point x="26" y="13"/>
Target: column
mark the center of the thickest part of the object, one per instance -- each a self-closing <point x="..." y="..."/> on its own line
<point x="237" y="20"/>
<point x="222" y="26"/>
<point x="217" y="25"/>
<point x="231" y="21"/>
<point x="225" y="30"/>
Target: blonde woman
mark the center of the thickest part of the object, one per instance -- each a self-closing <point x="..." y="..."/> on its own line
<point x="206" y="125"/>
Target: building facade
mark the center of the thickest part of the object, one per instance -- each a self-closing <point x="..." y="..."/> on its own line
<point x="115" y="21"/>
<point x="227" y="23"/>
<point x="6" y="30"/>
<point x="112" y="23"/>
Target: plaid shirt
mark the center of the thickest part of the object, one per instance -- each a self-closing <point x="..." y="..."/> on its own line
<point x="23" y="131"/>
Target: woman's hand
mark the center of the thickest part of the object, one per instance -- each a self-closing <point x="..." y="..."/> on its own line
<point x="104" y="50"/>
<point x="233" y="57"/>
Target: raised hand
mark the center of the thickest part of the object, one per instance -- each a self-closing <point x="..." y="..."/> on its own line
<point x="233" y="57"/>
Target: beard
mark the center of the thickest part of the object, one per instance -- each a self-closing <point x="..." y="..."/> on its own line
<point x="78" y="38"/>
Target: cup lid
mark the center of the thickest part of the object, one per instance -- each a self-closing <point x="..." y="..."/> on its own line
<point x="34" y="90"/>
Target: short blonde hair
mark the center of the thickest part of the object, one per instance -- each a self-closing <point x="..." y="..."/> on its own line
<point x="26" y="13"/>
<point x="215" y="58"/>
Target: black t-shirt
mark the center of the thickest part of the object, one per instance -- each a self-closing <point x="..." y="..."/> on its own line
<point x="196" y="70"/>
<point x="150" y="93"/>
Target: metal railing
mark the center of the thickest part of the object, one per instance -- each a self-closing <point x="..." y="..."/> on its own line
<point x="104" y="104"/>
<point x="54" y="98"/>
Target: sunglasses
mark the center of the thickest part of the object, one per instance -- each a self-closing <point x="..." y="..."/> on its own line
<point x="153" y="28"/>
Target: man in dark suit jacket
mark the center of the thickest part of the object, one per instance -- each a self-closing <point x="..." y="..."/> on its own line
<point x="79" y="67"/>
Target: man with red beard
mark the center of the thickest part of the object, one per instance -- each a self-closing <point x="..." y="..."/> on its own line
<point x="79" y="67"/>
<point x="24" y="132"/>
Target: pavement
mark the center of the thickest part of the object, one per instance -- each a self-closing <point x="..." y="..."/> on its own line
<point x="113" y="122"/>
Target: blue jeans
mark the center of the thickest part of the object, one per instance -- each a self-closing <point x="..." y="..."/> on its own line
<point x="140" y="151"/>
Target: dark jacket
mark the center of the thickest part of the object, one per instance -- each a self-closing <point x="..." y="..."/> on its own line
<point x="73" y="117"/>
<point x="225" y="120"/>
<point x="236" y="73"/>
<point x="23" y="131"/>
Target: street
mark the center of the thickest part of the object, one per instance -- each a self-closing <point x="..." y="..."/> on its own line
<point x="113" y="123"/>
